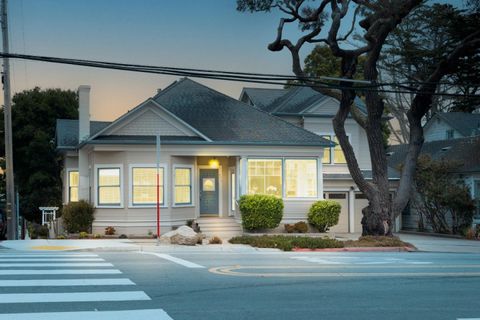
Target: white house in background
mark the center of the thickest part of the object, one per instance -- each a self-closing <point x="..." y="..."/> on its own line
<point x="214" y="149"/>
<point x="314" y="112"/>
<point x="452" y="125"/>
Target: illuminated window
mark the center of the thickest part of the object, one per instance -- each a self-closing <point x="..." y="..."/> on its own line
<point x="338" y="156"/>
<point x="326" y="151"/>
<point x="144" y="186"/>
<point x="265" y="176"/>
<point x="73" y="186"/>
<point x="300" y="178"/>
<point x="109" y="187"/>
<point x="183" y="186"/>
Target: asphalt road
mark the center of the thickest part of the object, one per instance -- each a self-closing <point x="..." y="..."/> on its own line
<point x="227" y="285"/>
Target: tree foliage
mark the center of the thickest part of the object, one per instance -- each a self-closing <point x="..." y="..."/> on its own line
<point x="37" y="165"/>
<point x="441" y="198"/>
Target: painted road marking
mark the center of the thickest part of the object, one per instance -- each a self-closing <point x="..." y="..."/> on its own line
<point x="55" y="255"/>
<point x="73" y="264"/>
<point x="73" y="297"/>
<point x="59" y="271"/>
<point x="51" y="259"/>
<point x="157" y="314"/>
<point x="359" y="261"/>
<point x="179" y="261"/>
<point x="65" y="282"/>
<point x="230" y="271"/>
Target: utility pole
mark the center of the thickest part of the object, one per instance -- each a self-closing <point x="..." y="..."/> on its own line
<point x="7" y="112"/>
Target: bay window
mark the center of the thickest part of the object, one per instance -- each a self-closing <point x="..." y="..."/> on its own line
<point x="300" y="178"/>
<point x="183" y="185"/>
<point x="73" y="179"/>
<point x="144" y="186"/>
<point x="265" y="176"/>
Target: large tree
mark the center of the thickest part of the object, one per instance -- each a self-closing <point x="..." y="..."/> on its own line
<point x="378" y="19"/>
<point x="37" y="165"/>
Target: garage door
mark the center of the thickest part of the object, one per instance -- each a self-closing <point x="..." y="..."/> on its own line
<point x="342" y="198"/>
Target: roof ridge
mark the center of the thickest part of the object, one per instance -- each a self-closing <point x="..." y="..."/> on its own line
<point x="287" y="97"/>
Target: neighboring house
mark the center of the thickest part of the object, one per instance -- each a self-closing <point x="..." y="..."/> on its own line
<point x="314" y="111"/>
<point x="452" y="125"/>
<point x="213" y="150"/>
<point x="465" y="151"/>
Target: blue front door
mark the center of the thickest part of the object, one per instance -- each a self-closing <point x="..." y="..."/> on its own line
<point x="209" y="191"/>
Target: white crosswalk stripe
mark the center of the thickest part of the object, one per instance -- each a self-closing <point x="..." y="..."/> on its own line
<point x="49" y="278"/>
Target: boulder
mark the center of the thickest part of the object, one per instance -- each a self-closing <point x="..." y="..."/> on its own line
<point x="183" y="235"/>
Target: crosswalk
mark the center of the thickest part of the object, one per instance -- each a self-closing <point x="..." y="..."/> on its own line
<point x="58" y="281"/>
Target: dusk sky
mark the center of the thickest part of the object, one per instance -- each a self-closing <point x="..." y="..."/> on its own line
<point x="207" y="34"/>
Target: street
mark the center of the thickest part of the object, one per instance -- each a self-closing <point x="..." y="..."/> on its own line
<point x="193" y="284"/>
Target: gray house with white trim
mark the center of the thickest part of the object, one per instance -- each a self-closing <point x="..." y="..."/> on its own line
<point x="213" y="150"/>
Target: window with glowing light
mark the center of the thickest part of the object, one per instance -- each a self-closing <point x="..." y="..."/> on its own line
<point x="300" y="178"/>
<point x="144" y="186"/>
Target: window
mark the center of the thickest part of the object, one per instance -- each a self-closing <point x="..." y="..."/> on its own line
<point x="109" y="193"/>
<point x="144" y="186"/>
<point x="183" y="186"/>
<point x="326" y="151"/>
<point x="338" y="156"/>
<point x="265" y="176"/>
<point x="300" y="178"/>
<point x="73" y="186"/>
<point x="449" y="134"/>
<point x="334" y="154"/>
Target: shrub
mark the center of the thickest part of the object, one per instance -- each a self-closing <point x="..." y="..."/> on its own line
<point x="324" y="214"/>
<point x="260" y="211"/>
<point x="301" y="227"/>
<point x="110" y="231"/>
<point x="287" y="243"/>
<point x="78" y="216"/>
<point x="43" y="232"/>
<point x="97" y="236"/>
<point x="83" y="235"/>
<point x="215" y="240"/>
<point x="60" y="237"/>
<point x="123" y="236"/>
<point x="289" y="228"/>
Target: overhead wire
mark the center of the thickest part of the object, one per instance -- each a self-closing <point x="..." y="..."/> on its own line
<point x="261" y="78"/>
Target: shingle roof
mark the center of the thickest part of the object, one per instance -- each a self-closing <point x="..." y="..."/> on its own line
<point x="262" y="98"/>
<point x="467" y="124"/>
<point x="464" y="150"/>
<point x="222" y="118"/>
<point x="67" y="131"/>
<point x="294" y="100"/>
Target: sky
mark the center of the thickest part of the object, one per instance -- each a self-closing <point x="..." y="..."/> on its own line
<point x="205" y="34"/>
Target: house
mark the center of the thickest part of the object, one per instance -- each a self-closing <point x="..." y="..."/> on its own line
<point x="213" y="150"/>
<point x="452" y="125"/>
<point x="314" y="111"/>
<point x="465" y="151"/>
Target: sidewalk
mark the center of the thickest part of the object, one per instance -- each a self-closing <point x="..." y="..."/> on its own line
<point x="440" y="244"/>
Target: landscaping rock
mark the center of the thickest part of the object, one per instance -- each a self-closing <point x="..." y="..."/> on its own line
<point x="183" y="235"/>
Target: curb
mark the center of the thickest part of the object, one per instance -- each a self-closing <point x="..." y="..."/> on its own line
<point x="358" y="249"/>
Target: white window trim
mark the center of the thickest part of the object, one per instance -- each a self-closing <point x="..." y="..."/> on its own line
<point x="192" y="185"/>
<point x="232" y="201"/>
<point x="108" y="166"/>
<point x="67" y="189"/>
<point x="130" y="185"/>
<point x="282" y="159"/>
<point x="332" y="149"/>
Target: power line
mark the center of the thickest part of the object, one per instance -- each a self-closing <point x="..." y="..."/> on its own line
<point x="273" y="79"/>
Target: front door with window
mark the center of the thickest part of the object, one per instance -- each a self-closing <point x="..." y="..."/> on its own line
<point x="209" y="192"/>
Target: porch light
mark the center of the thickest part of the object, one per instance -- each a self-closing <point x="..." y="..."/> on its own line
<point x="213" y="163"/>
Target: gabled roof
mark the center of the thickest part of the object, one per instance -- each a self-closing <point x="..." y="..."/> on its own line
<point x="292" y="101"/>
<point x="224" y="119"/>
<point x="467" y="124"/>
<point x="215" y="117"/>
<point x="464" y="150"/>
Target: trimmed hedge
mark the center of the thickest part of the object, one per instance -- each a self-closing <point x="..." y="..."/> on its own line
<point x="287" y="243"/>
<point x="324" y="214"/>
<point x="260" y="211"/>
<point x="78" y="216"/>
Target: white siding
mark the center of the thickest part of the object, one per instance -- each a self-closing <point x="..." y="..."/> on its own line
<point x="436" y="129"/>
<point x="326" y="107"/>
<point x="357" y="137"/>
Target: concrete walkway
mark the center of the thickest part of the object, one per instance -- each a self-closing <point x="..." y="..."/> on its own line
<point x="421" y="242"/>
